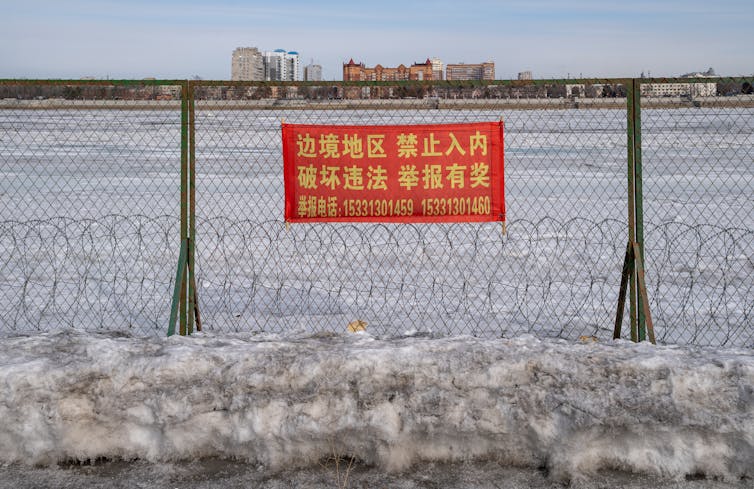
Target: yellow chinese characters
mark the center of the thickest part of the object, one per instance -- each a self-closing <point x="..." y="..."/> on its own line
<point x="478" y="142"/>
<point x="456" y="175"/>
<point x="353" y="146"/>
<point x="353" y="178"/>
<point x="480" y="175"/>
<point x="406" y="145"/>
<point x="307" y="177"/>
<point x="454" y="145"/>
<point x="430" y="146"/>
<point x="375" y="147"/>
<point x="329" y="145"/>
<point x="305" y="144"/>
<point x="430" y="177"/>
<point x="408" y="176"/>
<point x="312" y="206"/>
<point x="328" y="177"/>
<point x="377" y="177"/>
<point x="451" y="144"/>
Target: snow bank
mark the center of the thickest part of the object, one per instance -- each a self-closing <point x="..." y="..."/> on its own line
<point x="284" y="402"/>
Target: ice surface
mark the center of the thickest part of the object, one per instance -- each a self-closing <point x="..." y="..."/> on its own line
<point x="286" y="402"/>
<point x="89" y="228"/>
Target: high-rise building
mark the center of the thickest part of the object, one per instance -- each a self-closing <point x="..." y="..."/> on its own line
<point x="525" y="75"/>
<point x="280" y="65"/>
<point x="247" y="64"/>
<point x="312" y="72"/>
<point x="462" y="71"/>
<point x="358" y="72"/>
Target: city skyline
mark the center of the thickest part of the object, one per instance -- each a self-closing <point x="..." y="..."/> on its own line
<point x="168" y="39"/>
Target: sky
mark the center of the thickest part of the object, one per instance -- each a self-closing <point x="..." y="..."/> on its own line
<point x="175" y="39"/>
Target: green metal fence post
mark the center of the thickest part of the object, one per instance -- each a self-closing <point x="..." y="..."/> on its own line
<point x="639" y="205"/>
<point x="633" y="265"/>
<point x="631" y="148"/>
<point x="184" y="305"/>
<point x="184" y="198"/>
<point x="192" y="306"/>
<point x="179" y="279"/>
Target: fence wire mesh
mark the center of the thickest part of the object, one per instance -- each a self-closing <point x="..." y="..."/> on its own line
<point x="565" y="174"/>
<point x="698" y="161"/>
<point x="90" y="204"/>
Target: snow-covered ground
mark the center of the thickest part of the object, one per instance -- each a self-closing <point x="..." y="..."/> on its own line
<point x="275" y="404"/>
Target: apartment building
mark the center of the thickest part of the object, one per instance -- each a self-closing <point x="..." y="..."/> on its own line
<point x="463" y="71"/>
<point x="313" y="72"/>
<point x="247" y="64"/>
<point x="281" y="65"/>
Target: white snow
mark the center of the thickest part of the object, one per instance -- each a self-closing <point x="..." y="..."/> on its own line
<point x="89" y="208"/>
<point x="283" y="402"/>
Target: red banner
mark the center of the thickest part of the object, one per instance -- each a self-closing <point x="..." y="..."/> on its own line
<point x="409" y="173"/>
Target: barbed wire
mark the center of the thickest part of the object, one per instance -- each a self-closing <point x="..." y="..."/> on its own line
<point x="703" y="274"/>
<point x="85" y="273"/>
<point x="547" y="277"/>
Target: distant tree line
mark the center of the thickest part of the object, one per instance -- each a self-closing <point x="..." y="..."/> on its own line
<point x="730" y="88"/>
<point x="30" y="91"/>
<point x="472" y="90"/>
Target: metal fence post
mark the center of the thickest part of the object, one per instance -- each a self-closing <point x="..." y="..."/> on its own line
<point x="184" y="202"/>
<point x="639" y="208"/>
<point x="633" y="267"/>
<point x="184" y="304"/>
<point x="631" y="153"/>
<point x="191" y="209"/>
<point x="179" y="278"/>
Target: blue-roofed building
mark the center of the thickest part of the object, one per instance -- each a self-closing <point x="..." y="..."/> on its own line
<point x="281" y="65"/>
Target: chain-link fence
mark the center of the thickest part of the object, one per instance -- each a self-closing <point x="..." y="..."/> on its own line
<point x="698" y="161"/>
<point x="91" y="204"/>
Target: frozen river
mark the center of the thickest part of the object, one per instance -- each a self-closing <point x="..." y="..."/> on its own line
<point x="90" y="205"/>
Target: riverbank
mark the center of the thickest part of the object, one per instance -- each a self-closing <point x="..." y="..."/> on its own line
<point x="740" y="101"/>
